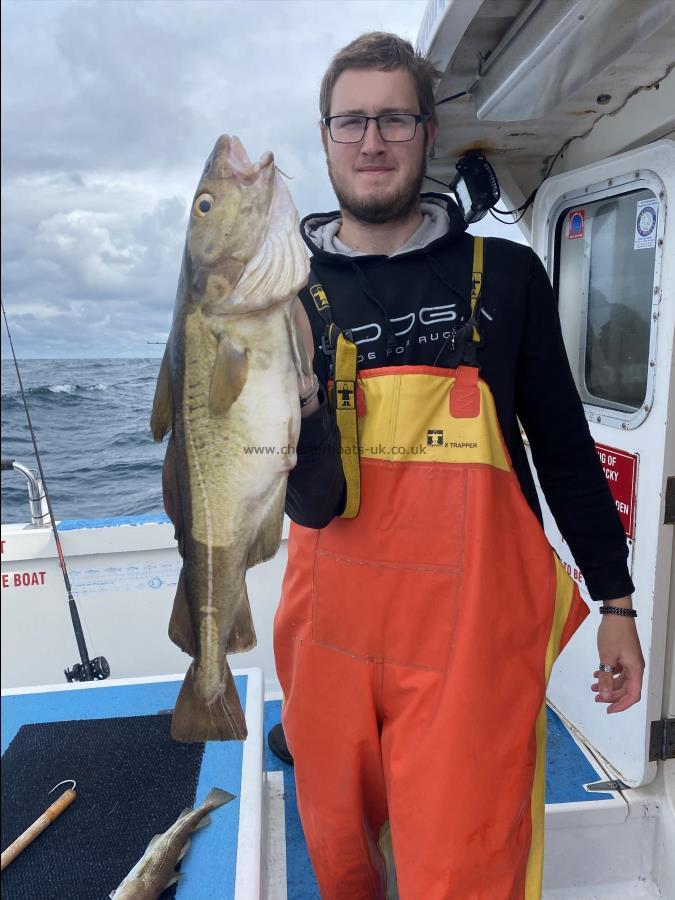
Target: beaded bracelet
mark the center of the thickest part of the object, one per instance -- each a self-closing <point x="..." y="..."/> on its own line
<point x="618" y="611"/>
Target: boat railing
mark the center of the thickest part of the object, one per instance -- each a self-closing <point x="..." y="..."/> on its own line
<point x="39" y="511"/>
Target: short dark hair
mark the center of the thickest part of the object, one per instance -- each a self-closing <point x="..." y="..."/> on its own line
<point x="386" y="52"/>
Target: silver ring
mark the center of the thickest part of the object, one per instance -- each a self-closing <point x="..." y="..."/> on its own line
<point x="606" y="668"/>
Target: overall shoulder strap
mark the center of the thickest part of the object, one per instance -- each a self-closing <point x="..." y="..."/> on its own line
<point x="476" y="283"/>
<point x="342" y="352"/>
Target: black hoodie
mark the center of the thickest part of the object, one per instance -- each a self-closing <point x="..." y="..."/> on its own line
<point x="402" y="310"/>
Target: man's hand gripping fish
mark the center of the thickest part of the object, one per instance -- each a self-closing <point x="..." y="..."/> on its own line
<point x="228" y="387"/>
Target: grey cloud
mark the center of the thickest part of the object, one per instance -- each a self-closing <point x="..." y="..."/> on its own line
<point x="109" y="110"/>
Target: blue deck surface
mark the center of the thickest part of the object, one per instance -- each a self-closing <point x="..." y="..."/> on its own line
<point x="567" y="769"/>
<point x="210" y="866"/>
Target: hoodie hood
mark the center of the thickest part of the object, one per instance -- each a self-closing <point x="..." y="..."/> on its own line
<point x="441" y="222"/>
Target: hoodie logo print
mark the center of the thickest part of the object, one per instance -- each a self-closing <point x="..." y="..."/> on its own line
<point x="364" y="340"/>
<point x="428" y="315"/>
<point x="410" y="317"/>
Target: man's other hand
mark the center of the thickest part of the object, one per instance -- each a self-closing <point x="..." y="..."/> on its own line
<point x="619" y="646"/>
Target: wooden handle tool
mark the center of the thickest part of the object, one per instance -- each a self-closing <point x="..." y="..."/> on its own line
<point x="39" y="825"/>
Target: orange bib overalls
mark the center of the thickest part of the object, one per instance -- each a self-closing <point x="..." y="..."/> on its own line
<point x="414" y="643"/>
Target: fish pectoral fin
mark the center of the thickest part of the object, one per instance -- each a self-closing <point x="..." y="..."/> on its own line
<point x="174" y="878"/>
<point x="161" y="419"/>
<point x="181" y="629"/>
<point x="221" y="719"/>
<point x="228" y="376"/>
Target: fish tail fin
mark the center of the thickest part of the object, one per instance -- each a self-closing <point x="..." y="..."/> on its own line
<point x="217" y="797"/>
<point x="195" y="719"/>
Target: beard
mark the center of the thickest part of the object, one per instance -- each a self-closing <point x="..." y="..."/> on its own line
<point x="377" y="210"/>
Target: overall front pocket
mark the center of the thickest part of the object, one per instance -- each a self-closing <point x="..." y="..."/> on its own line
<point x="396" y="613"/>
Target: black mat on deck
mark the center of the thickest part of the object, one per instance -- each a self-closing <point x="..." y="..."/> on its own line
<point x="132" y="782"/>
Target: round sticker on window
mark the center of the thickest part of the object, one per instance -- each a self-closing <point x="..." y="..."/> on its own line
<point x="646" y="218"/>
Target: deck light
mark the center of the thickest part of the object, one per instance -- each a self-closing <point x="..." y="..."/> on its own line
<point x="475" y="186"/>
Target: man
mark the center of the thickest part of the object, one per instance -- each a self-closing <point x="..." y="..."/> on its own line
<point x="422" y="607"/>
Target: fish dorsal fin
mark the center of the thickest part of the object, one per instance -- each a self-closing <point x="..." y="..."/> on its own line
<point x="181" y="629"/>
<point x="153" y="840"/>
<point x="202" y="823"/>
<point x="161" y="419"/>
<point x="184" y="850"/>
<point x="171" y="493"/>
<point x="228" y="377"/>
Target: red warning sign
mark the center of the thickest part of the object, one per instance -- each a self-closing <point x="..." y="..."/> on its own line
<point x="621" y="474"/>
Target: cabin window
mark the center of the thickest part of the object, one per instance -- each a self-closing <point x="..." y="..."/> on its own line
<point x="607" y="253"/>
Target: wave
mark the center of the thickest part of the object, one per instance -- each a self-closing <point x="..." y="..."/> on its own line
<point x="44" y="389"/>
<point x="91" y="423"/>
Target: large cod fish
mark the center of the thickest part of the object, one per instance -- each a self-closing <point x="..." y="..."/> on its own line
<point x="228" y="384"/>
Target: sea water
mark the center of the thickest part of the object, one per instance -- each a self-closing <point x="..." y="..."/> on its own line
<point x="91" y="420"/>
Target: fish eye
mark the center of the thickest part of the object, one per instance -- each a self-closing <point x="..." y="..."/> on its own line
<point x="202" y="204"/>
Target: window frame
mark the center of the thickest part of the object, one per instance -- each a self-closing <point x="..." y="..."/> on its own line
<point x="609" y="188"/>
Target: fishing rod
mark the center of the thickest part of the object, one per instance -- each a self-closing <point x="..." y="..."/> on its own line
<point x="87" y="669"/>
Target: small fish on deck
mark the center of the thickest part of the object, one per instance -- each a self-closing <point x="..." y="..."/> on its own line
<point x="228" y="393"/>
<point x="156" y="869"/>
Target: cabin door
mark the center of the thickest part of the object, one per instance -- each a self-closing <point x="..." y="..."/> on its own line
<point x="608" y="240"/>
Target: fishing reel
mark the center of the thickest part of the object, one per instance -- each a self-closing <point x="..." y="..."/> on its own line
<point x="97" y="669"/>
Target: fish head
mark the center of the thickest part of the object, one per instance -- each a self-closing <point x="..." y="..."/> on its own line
<point x="130" y="890"/>
<point x="228" y="218"/>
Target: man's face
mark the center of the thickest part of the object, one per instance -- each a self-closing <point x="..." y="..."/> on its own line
<point x="375" y="180"/>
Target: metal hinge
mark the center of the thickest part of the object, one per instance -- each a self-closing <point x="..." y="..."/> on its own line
<point x="669" y="514"/>
<point x="614" y="785"/>
<point x="662" y="740"/>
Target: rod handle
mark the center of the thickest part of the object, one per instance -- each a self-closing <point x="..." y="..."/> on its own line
<point x="38" y="826"/>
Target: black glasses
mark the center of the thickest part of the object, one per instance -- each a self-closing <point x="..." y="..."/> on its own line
<point x="393" y="127"/>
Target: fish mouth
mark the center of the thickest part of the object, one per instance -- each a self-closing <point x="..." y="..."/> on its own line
<point x="230" y="158"/>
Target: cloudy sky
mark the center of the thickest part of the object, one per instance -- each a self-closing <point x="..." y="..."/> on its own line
<point x="109" y="110"/>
